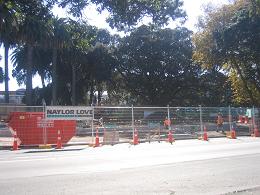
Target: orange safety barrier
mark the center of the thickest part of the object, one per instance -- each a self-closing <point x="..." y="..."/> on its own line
<point x="59" y="142"/>
<point x="240" y="119"/>
<point x="256" y="132"/>
<point x="233" y="133"/>
<point x="205" y="134"/>
<point x="136" y="140"/>
<point x="246" y="120"/>
<point x="15" y="143"/>
<point x="170" y="137"/>
<point x="97" y="144"/>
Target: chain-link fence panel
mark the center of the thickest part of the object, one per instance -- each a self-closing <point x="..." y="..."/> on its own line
<point x="256" y="122"/>
<point x="242" y="120"/>
<point x="216" y="121"/>
<point x="150" y="123"/>
<point x="220" y="121"/>
<point x="185" y="122"/>
<point x="113" y="125"/>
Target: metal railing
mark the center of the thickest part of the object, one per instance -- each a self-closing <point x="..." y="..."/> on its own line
<point x="118" y="124"/>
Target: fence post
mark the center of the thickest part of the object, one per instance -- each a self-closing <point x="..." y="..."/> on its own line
<point x="229" y="118"/>
<point x="201" y="122"/>
<point x="44" y="119"/>
<point x="133" y="123"/>
<point x="253" y="118"/>
<point x="92" y="123"/>
<point x="168" y="110"/>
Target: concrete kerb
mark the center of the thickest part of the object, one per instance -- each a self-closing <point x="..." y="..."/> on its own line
<point x="42" y="147"/>
<point x="51" y="146"/>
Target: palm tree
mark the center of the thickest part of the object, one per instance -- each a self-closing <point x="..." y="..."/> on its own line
<point x="59" y="38"/>
<point x="34" y="31"/>
<point x="1" y="72"/>
<point x="41" y="63"/>
<point x="8" y="36"/>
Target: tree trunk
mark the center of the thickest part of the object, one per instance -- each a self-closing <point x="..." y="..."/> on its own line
<point x="99" y="94"/>
<point x="73" y="85"/>
<point x="42" y="80"/>
<point x="91" y="96"/>
<point x="54" y="76"/>
<point x="6" y="78"/>
<point x="99" y="97"/>
<point x="29" y="75"/>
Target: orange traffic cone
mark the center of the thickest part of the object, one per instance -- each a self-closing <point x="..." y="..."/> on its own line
<point x="205" y="134"/>
<point x="136" y="141"/>
<point x="256" y="132"/>
<point x="233" y="133"/>
<point x="97" y="139"/>
<point x="15" y="143"/>
<point x="240" y="119"/>
<point x="59" y="142"/>
<point x="170" y="137"/>
<point x="246" y="119"/>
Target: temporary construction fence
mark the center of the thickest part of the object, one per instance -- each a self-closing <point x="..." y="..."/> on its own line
<point x="111" y="125"/>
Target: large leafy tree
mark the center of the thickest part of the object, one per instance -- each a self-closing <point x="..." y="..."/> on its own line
<point x="36" y="32"/>
<point x="229" y="39"/>
<point x="81" y="36"/>
<point x="127" y="13"/>
<point x="156" y="66"/>
<point x="81" y="62"/>
<point x="215" y="89"/>
<point x="101" y="66"/>
<point x="59" y="38"/>
<point x="70" y="60"/>
<point x="101" y="62"/>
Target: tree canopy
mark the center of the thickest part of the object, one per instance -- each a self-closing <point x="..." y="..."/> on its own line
<point x="229" y="38"/>
<point x="156" y="65"/>
<point x="38" y="31"/>
<point x="127" y="13"/>
<point x="150" y="65"/>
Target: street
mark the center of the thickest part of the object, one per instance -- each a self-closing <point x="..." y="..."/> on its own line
<point x="220" y="166"/>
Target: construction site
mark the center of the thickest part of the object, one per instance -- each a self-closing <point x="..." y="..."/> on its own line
<point x="96" y="126"/>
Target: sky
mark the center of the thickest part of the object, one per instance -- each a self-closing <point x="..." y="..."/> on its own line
<point x="193" y="9"/>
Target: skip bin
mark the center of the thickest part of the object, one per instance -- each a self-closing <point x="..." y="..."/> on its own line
<point x="30" y="130"/>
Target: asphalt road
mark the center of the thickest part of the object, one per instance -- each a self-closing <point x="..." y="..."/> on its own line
<point x="220" y="166"/>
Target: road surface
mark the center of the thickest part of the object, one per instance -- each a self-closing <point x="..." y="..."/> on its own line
<point x="220" y="166"/>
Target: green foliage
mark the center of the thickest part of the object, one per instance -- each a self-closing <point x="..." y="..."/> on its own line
<point x="127" y="13"/>
<point x="151" y="66"/>
<point x="8" y="35"/>
<point x="215" y="89"/>
<point x="230" y="39"/>
<point x="59" y="33"/>
<point x="35" y="23"/>
<point x="157" y="68"/>
<point x="78" y="47"/>
<point x="1" y="75"/>
<point x="8" y="22"/>
<point x="41" y="63"/>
